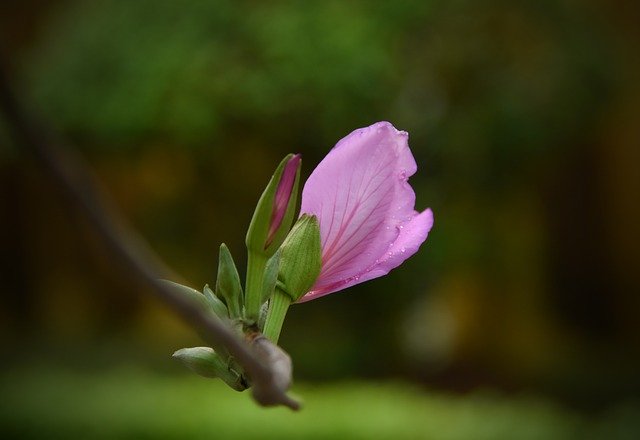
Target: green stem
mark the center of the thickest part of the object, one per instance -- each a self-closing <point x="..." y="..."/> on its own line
<point x="256" y="264"/>
<point x="278" y="306"/>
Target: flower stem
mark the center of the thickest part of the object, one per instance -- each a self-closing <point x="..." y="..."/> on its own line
<point x="256" y="264"/>
<point x="278" y="306"/>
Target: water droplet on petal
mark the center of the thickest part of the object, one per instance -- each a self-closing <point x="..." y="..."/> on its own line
<point x="403" y="174"/>
<point x="403" y="250"/>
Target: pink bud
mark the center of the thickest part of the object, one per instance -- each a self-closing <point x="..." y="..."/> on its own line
<point x="365" y="207"/>
<point x="282" y="196"/>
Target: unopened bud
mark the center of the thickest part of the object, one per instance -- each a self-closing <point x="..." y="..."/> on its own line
<point x="300" y="258"/>
<point x="275" y="210"/>
<point x="204" y="361"/>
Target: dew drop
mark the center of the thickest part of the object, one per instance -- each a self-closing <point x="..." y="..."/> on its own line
<point x="403" y="250"/>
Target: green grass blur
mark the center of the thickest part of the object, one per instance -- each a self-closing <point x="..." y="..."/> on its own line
<point x="134" y="403"/>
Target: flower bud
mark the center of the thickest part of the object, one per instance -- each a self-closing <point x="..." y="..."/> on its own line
<point x="205" y="362"/>
<point x="300" y="262"/>
<point x="300" y="258"/>
<point x="275" y="210"/>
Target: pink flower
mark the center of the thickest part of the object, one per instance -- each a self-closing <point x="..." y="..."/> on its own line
<point x="365" y="207"/>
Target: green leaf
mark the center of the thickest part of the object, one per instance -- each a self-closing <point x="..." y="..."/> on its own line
<point x="216" y="303"/>
<point x="190" y="293"/>
<point x="228" y="283"/>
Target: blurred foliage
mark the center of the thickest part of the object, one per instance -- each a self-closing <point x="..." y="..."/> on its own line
<point x="523" y="121"/>
<point x="190" y="69"/>
<point x="512" y="74"/>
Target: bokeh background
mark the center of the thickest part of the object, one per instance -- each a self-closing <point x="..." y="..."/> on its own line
<point x="519" y="317"/>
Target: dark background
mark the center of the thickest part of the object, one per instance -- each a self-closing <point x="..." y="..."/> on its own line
<point x="523" y="119"/>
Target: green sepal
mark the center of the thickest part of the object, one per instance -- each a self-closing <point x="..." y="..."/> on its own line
<point x="190" y="293"/>
<point x="228" y="283"/>
<point x="300" y="257"/>
<point x="216" y="303"/>
<point x="258" y="231"/>
<point x="205" y="362"/>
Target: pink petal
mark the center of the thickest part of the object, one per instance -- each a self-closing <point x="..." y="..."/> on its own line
<point x="365" y="207"/>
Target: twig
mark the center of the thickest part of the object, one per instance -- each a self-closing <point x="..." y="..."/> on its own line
<point x="268" y="377"/>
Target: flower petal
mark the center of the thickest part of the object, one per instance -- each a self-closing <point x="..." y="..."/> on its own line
<point x="365" y="207"/>
<point x="411" y="236"/>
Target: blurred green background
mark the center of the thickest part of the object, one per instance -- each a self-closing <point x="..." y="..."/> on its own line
<point x="519" y="317"/>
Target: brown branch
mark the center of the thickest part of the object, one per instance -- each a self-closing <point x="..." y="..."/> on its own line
<point x="270" y="375"/>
